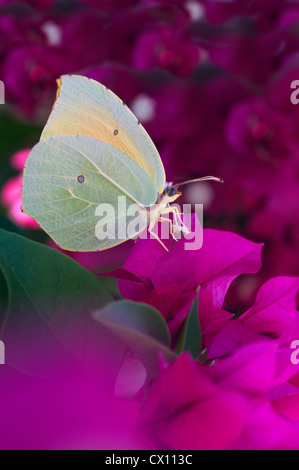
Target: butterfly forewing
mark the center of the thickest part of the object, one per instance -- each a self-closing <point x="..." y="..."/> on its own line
<point x="85" y="107"/>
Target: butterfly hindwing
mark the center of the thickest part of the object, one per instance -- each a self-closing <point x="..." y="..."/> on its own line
<point x="66" y="178"/>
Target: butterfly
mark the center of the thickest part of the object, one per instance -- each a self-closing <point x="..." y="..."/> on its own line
<point x="95" y="158"/>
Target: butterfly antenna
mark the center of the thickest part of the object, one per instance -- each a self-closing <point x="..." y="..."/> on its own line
<point x="197" y="180"/>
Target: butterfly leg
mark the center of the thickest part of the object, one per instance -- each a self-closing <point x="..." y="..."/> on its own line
<point x="150" y="228"/>
<point x="174" y="210"/>
<point x="177" y="214"/>
<point x="171" y="226"/>
<point x="157" y="238"/>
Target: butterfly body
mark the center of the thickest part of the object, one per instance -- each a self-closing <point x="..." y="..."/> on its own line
<point x="163" y="208"/>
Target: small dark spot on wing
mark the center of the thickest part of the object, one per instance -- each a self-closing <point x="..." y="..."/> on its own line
<point x="81" y="179"/>
<point x="115" y="132"/>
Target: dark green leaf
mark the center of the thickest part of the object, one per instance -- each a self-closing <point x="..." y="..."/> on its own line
<point x="141" y="327"/>
<point x="50" y="300"/>
<point x="190" y="337"/>
<point x="11" y="126"/>
<point x="111" y="285"/>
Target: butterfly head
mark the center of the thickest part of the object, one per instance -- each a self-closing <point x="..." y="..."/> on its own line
<point x="171" y="192"/>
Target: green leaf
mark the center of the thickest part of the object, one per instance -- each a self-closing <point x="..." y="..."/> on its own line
<point x="11" y="125"/>
<point x="9" y="226"/>
<point x="3" y="297"/>
<point x="48" y="321"/>
<point x="190" y="337"/>
<point x="140" y="327"/>
<point x="110" y="283"/>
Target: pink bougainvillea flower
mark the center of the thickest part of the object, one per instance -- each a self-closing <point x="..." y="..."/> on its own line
<point x="251" y="367"/>
<point x="171" y="280"/>
<point x="11" y="190"/>
<point x="243" y="54"/>
<point x="272" y="318"/>
<point x="11" y="193"/>
<point x="288" y="405"/>
<point x="185" y="409"/>
<point x="44" y="49"/>
<point x="274" y="312"/>
<point x="18" y="159"/>
<point x="162" y="47"/>
<point x="11" y="197"/>
<point x="257" y="131"/>
<point x="20" y="218"/>
<point x="274" y="315"/>
<point x="234" y="335"/>
<point x="265" y="430"/>
<point x="221" y="406"/>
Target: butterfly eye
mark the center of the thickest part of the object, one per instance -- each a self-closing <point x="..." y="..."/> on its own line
<point x="81" y="179"/>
